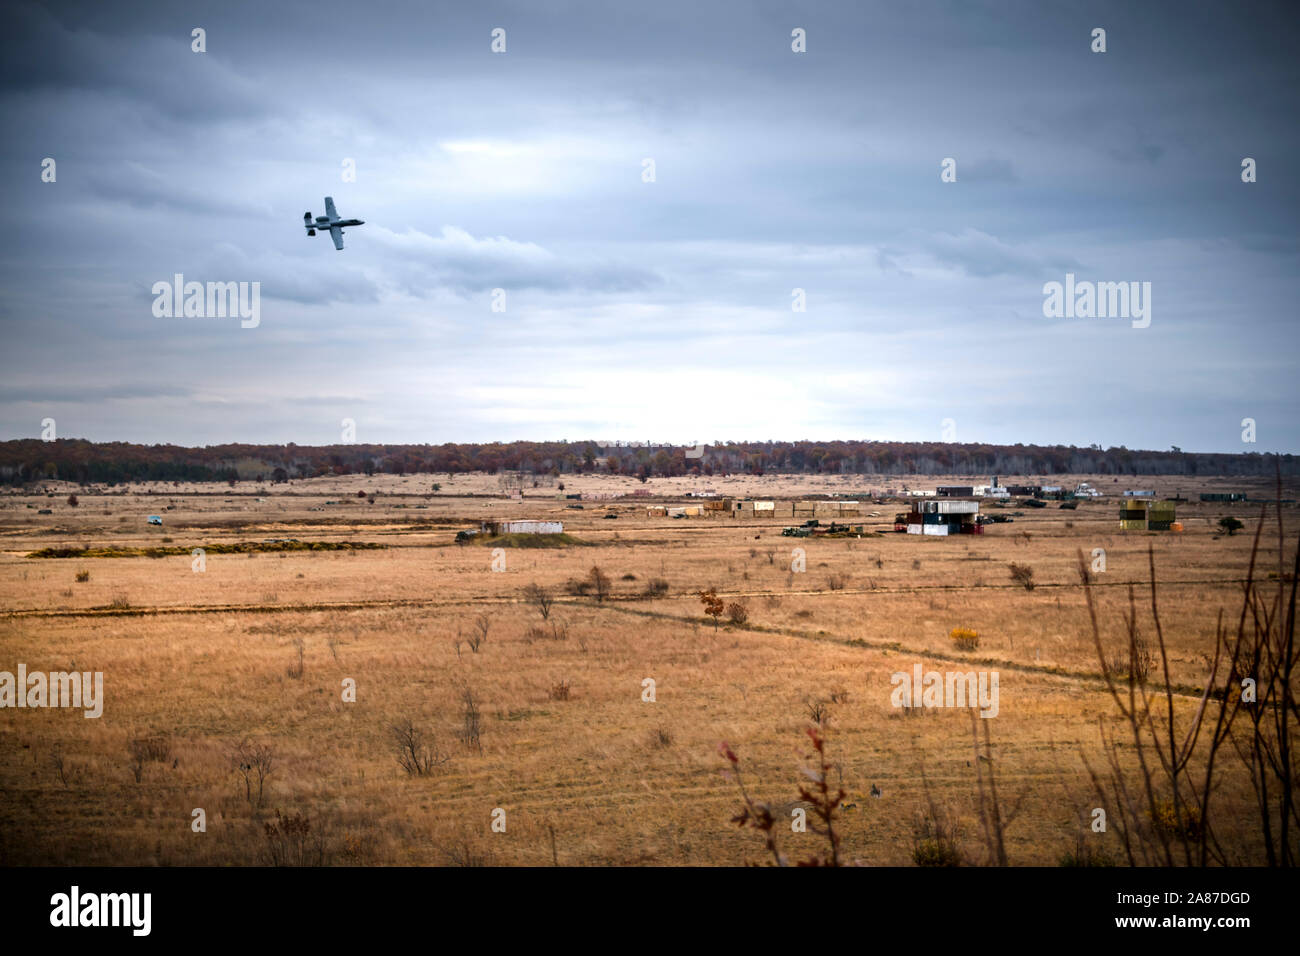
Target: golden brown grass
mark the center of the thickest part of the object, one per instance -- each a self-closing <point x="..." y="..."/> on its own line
<point x="206" y="659"/>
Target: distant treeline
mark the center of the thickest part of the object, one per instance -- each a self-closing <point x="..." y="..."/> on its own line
<point x="77" y="460"/>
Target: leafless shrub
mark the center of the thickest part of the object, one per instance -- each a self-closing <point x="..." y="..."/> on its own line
<point x="293" y="841"/>
<point x="296" y="668"/>
<point x="83" y="576"/>
<point x="463" y="851"/>
<point x="471" y="728"/>
<point x="417" y="754"/>
<point x="559" y="690"/>
<point x="482" y="625"/>
<point x="737" y="613"/>
<point x="836" y="581"/>
<point x="819" y="711"/>
<point x="143" y="750"/>
<point x="656" y="587"/>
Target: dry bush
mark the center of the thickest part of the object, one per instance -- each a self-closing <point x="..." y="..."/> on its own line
<point x="464" y="851"/>
<point x="600" y="583"/>
<point x="482" y="625"/>
<point x="83" y="576"/>
<point x="836" y="582"/>
<point x="1135" y="664"/>
<point x="296" y="668"/>
<point x="577" y="587"/>
<point x="471" y="721"/>
<point x="293" y="841"/>
<point x="936" y="838"/>
<point x="1085" y="854"/>
<point x="737" y="613"/>
<point x="417" y="754"/>
<point x="1022" y="574"/>
<point x="559" y="691"/>
<point x="819" y="711"/>
<point x="143" y="750"/>
<point x="656" y="587"/>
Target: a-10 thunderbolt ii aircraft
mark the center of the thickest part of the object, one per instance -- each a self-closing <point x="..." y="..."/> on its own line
<point x="330" y="221"/>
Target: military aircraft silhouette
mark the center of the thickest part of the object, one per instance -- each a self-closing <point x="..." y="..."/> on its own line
<point x="330" y="221"/>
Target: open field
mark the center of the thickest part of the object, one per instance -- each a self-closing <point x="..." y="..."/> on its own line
<point x="256" y="644"/>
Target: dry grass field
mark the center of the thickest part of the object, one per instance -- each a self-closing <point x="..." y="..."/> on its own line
<point x="258" y="647"/>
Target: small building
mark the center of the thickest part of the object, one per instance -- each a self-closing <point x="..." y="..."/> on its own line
<point x="944" y="518"/>
<point x="954" y="491"/>
<point x="1142" y="515"/>
<point x="1223" y="496"/>
<point x="522" y="527"/>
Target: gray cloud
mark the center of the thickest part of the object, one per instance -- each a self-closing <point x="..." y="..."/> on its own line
<point x="651" y="309"/>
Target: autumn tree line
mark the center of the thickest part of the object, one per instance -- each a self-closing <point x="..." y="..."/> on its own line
<point x="26" y="460"/>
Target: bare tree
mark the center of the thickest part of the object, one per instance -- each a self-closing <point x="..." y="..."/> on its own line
<point x="1247" y="707"/>
<point x="252" y="762"/>
<point x="541" y="598"/>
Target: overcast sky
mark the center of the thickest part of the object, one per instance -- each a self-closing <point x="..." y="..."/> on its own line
<point x="652" y="310"/>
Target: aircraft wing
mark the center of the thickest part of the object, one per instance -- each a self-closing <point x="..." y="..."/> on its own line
<point x="337" y="235"/>
<point x="329" y="208"/>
